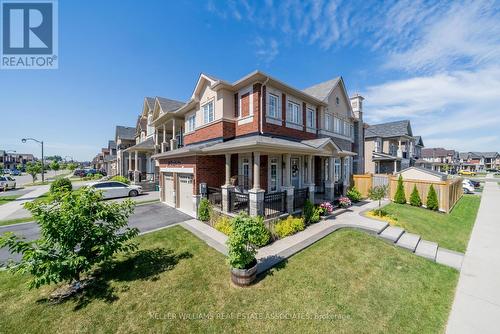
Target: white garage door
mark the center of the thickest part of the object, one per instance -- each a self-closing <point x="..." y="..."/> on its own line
<point x="186" y="192"/>
<point x="169" y="188"/>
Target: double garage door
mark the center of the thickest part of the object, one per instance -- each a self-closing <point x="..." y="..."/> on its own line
<point x="178" y="190"/>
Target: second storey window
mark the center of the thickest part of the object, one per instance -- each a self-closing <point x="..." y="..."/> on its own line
<point x="328" y="122"/>
<point x="273" y="106"/>
<point x="310" y="118"/>
<point x="293" y="113"/>
<point x="190" y="123"/>
<point x="208" y="112"/>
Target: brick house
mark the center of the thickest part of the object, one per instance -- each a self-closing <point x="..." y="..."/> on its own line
<point x="258" y="144"/>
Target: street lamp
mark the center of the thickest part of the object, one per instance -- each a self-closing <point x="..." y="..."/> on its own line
<point x="24" y="140"/>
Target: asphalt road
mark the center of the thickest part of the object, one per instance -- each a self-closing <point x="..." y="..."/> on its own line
<point x="146" y="217"/>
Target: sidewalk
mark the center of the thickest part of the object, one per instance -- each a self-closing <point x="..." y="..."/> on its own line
<point x="476" y="308"/>
<point x="10" y="208"/>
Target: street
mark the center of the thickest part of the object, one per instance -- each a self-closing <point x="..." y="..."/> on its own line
<point x="146" y="217"/>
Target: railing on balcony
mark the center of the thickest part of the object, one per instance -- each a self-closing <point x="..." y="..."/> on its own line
<point x="241" y="182"/>
<point x="274" y="204"/>
<point x="214" y="196"/>
<point x="299" y="198"/>
<point x="239" y="202"/>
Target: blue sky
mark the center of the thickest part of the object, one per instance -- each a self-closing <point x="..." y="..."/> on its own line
<point x="435" y="64"/>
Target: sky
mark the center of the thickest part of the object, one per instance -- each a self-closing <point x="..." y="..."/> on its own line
<point x="435" y="63"/>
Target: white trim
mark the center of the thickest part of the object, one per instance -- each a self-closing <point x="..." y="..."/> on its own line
<point x="242" y="92"/>
<point x="245" y="120"/>
<point x="275" y="121"/>
<point x="279" y="172"/>
<point x="294" y="126"/>
<point x="185" y="170"/>
<point x="250" y="166"/>
<point x="311" y="130"/>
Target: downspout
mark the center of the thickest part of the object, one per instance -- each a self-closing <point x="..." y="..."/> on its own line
<point x="262" y="111"/>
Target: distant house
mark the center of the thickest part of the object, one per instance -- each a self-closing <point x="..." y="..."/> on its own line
<point x="11" y="160"/>
<point x="391" y="147"/>
<point x="422" y="174"/>
<point x="479" y="161"/>
<point x="439" y="159"/>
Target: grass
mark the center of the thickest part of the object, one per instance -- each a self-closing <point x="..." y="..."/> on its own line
<point x="348" y="282"/>
<point x="38" y="183"/>
<point x="16" y="221"/>
<point x="450" y="231"/>
<point x="8" y="199"/>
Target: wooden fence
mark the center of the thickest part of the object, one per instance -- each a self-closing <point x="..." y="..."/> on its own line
<point x="448" y="192"/>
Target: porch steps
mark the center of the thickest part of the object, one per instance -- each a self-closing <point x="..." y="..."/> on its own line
<point x="392" y="233"/>
<point x="408" y="241"/>
<point x="427" y="249"/>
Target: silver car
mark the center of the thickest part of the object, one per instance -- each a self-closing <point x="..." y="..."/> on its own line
<point x="114" y="189"/>
<point x="7" y="182"/>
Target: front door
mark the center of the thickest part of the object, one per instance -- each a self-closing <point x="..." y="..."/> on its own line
<point x="295" y="166"/>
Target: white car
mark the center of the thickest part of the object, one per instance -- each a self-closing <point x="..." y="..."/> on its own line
<point x="7" y="182"/>
<point x="468" y="187"/>
<point x="113" y="189"/>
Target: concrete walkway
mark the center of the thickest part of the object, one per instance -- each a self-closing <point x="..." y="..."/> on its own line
<point x="10" y="208"/>
<point x="282" y="249"/>
<point x="476" y="308"/>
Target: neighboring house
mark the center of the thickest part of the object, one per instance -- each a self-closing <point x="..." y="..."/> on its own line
<point x="124" y="138"/>
<point x="479" y="161"/>
<point x="11" y="160"/>
<point x="258" y="140"/>
<point x="150" y="139"/>
<point x="439" y="159"/>
<point x="422" y="174"/>
<point x="391" y="147"/>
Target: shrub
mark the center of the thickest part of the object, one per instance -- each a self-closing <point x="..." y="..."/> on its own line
<point x="243" y="241"/>
<point x="354" y="195"/>
<point x="262" y="236"/>
<point x="224" y="224"/>
<point x="204" y="210"/>
<point x="400" y="197"/>
<point x="316" y="216"/>
<point x="121" y="179"/>
<point x="344" y="202"/>
<point x="415" y="197"/>
<point x="289" y="226"/>
<point x="432" y="200"/>
<point x="97" y="176"/>
<point x="60" y="185"/>
<point x="308" y="211"/>
<point x="326" y="207"/>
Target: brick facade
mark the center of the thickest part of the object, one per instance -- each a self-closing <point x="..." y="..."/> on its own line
<point x="219" y="129"/>
<point x="253" y="126"/>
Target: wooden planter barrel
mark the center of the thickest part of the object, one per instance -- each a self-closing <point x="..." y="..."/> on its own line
<point x="244" y="277"/>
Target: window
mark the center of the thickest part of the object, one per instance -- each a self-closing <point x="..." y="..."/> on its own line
<point x="191" y="123"/>
<point x="336" y="123"/>
<point x="293" y="113"/>
<point x="310" y="121"/>
<point x="346" y="129"/>
<point x="378" y="145"/>
<point x="245" y="167"/>
<point x="337" y="100"/>
<point x="328" y="122"/>
<point x="337" y="170"/>
<point x="208" y="112"/>
<point x="273" y="106"/>
<point x="273" y="186"/>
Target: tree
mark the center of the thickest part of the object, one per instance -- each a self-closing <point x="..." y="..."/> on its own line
<point x="432" y="200"/>
<point x="377" y="193"/>
<point x="72" y="166"/>
<point x="400" y="197"/>
<point x="19" y="166"/>
<point x="54" y="165"/>
<point x="33" y="168"/>
<point x="415" y="197"/>
<point x="78" y="231"/>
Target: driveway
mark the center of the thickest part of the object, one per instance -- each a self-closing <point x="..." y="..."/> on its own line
<point x="147" y="217"/>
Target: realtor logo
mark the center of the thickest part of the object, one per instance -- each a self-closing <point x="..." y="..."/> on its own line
<point x="29" y="34"/>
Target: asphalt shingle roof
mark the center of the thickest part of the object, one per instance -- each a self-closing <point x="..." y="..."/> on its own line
<point x="323" y="89"/>
<point x="437" y="152"/>
<point x="391" y="129"/>
<point x="168" y="105"/>
<point x="150" y="102"/>
<point x="111" y="144"/>
<point x="125" y="132"/>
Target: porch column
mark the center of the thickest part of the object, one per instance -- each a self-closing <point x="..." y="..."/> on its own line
<point x="256" y="195"/>
<point x="228" y="169"/>
<point x="164" y="141"/>
<point x="330" y="184"/>
<point x="129" y="161"/>
<point x="156" y="136"/>
<point x="288" y="188"/>
<point x="136" y="171"/>
<point x="395" y="166"/>
<point x="256" y="170"/>
<point x="310" y="177"/>
<point x="173" y="141"/>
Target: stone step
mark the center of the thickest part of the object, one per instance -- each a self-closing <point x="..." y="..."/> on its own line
<point x="392" y="233"/>
<point x="449" y="258"/>
<point x="427" y="249"/>
<point x="408" y="241"/>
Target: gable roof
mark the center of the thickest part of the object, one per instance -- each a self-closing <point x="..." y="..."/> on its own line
<point x="150" y="102"/>
<point x="437" y="152"/>
<point x="125" y="132"/>
<point x="391" y="129"/>
<point x="111" y="144"/>
<point x="419" y="141"/>
<point x="322" y="90"/>
<point x="168" y="105"/>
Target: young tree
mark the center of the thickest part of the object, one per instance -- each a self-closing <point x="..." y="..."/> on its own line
<point x="54" y="165"/>
<point x="19" y="167"/>
<point x="415" y="197"/>
<point x="432" y="200"/>
<point x="378" y="193"/>
<point x="78" y="230"/>
<point x="33" y="168"/>
<point x="400" y="196"/>
<point x="72" y="166"/>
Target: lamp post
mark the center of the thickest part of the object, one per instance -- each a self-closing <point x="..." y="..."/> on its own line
<point x="24" y="140"/>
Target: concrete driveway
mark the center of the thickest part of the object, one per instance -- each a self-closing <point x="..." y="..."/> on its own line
<point x="147" y="217"/>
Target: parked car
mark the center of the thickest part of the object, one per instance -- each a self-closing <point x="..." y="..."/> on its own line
<point x="114" y="189"/>
<point x="7" y="182"/>
<point x="15" y="172"/>
<point x="467" y="187"/>
<point x="79" y="172"/>
<point x="466" y="172"/>
<point x="6" y="171"/>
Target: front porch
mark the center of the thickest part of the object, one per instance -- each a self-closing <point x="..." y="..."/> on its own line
<point x="140" y="165"/>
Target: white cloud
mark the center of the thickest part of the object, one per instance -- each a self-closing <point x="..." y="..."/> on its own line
<point x="266" y="50"/>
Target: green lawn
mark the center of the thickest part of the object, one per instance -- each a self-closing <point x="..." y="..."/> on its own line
<point x="8" y="199"/>
<point x="15" y="221"/>
<point x="450" y="231"/>
<point x="348" y="282"/>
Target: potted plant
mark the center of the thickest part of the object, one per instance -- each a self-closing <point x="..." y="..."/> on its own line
<point x="344" y="202"/>
<point x="242" y="249"/>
